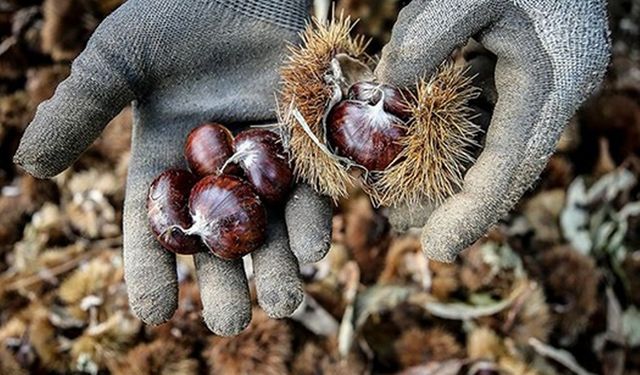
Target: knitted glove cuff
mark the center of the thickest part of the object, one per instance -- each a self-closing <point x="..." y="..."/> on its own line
<point x="290" y="14"/>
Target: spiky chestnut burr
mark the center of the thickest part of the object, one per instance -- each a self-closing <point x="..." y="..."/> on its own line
<point x="366" y="133"/>
<point x="440" y="141"/>
<point x="167" y="207"/>
<point x="304" y="98"/>
<point x="207" y="148"/>
<point x="261" y="157"/>
<point x="227" y="215"/>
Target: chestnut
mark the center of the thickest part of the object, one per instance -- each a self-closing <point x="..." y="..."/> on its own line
<point x="365" y="133"/>
<point x="372" y="92"/>
<point x="227" y="215"/>
<point x="207" y="149"/>
<point x="167" y="208"/>
<point x="260" y="155"/>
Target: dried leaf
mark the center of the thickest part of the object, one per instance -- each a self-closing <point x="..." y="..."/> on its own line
<point x="452" y="367"/>
<point x="631" y="326"/>
<point x="379" y="298"/>
<point x="559" y="355"/>
<point x="465" y="311"/>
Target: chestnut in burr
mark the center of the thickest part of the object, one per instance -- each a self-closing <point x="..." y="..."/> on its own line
<point x="372" y="92"/>
<point x="367" y="133"/>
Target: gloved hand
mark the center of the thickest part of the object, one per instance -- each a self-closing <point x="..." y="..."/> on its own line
<point x="184" y="63"/>
<point x="551" y="56"/>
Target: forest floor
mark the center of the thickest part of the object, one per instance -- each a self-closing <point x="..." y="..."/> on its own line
<point x="553" y="288"/>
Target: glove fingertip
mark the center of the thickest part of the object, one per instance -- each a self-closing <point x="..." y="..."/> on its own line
<point x="227" y="325"/>
<point x="438" y="249"/>
<point x="152" y="287"/>
<point x="226" y="303"/>
<point x="30" y="163"/>
<point x="313" y="250"/>
<point x="276" y="272"/>
<point x="308" y="216"/>
<point x="451" y="229"/>
<point x="154" y="306"/>
<point x="282" y="302"/>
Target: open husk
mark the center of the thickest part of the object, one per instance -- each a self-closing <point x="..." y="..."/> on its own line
<point x="306" y="93"/>
<point x="439" y="144"/>
<point x="440" y="139"/>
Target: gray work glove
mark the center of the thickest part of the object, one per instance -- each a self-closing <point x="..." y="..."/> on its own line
<point x="183" y="63"/>
<point x="551" y="55"/>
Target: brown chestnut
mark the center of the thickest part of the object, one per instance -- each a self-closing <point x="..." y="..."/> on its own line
<point x="365" y="133"/>
<point x="260" y="155"/>
<point x="371" y="92"/>
<point x="227" y="215"/>
<point x="167" y="210"/>
<point x="207" y="149"/>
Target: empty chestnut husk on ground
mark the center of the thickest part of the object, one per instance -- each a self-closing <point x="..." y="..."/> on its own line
<point x="167" y="207"/>
<point x="363" y="130"/>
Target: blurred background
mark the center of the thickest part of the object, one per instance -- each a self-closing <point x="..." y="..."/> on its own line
<point x="553" y="289"/>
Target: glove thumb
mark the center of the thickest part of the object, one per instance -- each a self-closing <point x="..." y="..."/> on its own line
<point x="82" y="105"/>
<point x="426" y="33"/>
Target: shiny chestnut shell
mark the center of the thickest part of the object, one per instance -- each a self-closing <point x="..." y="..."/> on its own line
<point x="365" y="133"/>
<point x="227" y="215"/>
<point x="167" y="210"/>
<point x="262" y="158"/>
<point x="207" y="149"/>
<point x="372" y="92"/>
